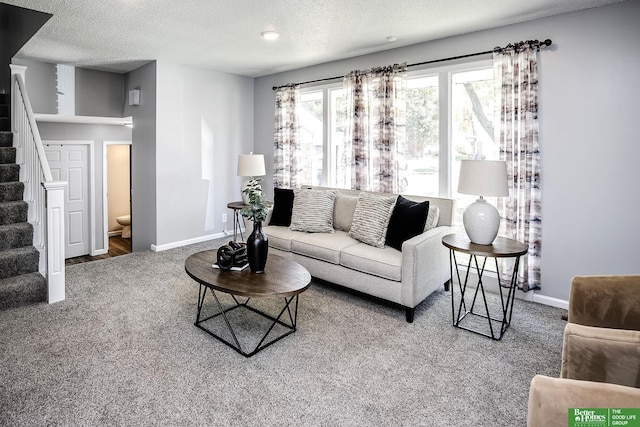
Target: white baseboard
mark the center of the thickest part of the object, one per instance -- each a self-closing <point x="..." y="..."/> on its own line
<point x="99" y="252"/>
<point x="115" y="233"/>
<point x="160" y="248"/>
<point x="553" y="302"/>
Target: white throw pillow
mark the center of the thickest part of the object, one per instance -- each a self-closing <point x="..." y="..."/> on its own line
<point x="432" y="218"/>
<point x="371" y="218"/>
<point x="312" y="210"/>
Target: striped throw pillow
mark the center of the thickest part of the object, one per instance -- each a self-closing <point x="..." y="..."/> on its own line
<point x="371" y="218"/>
<point x="312" y="210"/>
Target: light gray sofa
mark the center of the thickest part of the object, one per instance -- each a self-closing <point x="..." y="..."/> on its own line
<point x="404" y="277"/>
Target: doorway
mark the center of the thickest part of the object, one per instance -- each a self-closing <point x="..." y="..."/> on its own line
<point x="117" y="195"/>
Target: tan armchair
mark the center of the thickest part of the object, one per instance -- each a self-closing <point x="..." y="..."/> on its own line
<point x="600" y="352"/>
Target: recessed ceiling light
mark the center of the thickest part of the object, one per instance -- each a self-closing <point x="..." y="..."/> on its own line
<point x="391" y="38"/>
<point x="270" y="35"/>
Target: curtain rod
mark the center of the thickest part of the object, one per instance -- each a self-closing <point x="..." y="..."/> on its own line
<point x="536" y="43"/>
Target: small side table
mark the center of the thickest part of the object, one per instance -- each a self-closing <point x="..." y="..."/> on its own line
<point x="237" y="228"/>
<point x="502" y="247"/>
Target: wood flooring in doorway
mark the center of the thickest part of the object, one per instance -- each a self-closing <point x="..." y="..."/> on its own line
<point x="117" y="246"/>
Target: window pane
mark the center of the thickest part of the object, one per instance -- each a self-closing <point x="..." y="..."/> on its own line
<point x="311" y="137"/>
<point x="337" y="158"/>
<point x="419" y="157"/>
<point x="472" y="106"/>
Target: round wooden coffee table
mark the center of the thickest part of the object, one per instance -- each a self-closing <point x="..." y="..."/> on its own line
<point x="282" y="278"/>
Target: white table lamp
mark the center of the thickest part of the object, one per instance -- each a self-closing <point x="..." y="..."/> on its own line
<point x="249" y="166"/>
<point x="484" y="178"/>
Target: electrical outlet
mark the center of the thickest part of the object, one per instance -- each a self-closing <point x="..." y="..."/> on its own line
<point x="224" y="217"/>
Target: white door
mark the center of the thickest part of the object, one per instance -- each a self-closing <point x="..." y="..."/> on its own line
<point x="71" y="163"/>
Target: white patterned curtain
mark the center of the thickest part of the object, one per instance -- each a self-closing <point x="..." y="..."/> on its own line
<point x="516" y="74"/>
<point x="287" y="161"/>
<point x="374" y="128"/>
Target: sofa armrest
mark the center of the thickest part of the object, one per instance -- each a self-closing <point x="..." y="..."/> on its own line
<point x="425" y="265"/>
<point x="601" y="354"/>
<point x="605" y="301"/>
<point x="551" y="398"/>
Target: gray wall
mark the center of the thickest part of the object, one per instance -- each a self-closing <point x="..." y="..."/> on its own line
<point x="204" y="120"/>
<point x="143" y="156"/>
<point x="40" y="80"/>
<point x="99" y="93"/>
<point x="98" y="134"/>
<point x="589" y="141"/>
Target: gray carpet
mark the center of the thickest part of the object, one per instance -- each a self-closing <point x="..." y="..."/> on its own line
<point x="122" y="350"/>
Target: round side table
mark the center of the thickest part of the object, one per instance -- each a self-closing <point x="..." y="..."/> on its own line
<point x="237" y="228"/>
<point x="501" y="247"/>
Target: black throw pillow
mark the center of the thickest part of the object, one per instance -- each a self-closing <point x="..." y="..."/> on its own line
<point x="407" y="221"/>
<point x="282" y="207"/>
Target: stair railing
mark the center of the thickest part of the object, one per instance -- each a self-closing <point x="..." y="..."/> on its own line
<point x="44" y="195"/>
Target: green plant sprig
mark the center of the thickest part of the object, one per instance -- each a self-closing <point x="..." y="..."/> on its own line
<point x="258" y="208"/>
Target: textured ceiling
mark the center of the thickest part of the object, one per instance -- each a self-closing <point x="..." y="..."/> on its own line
<point x="224" y="35"/>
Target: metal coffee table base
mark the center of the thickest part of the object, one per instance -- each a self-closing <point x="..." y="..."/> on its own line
<point x="291" y="326"/>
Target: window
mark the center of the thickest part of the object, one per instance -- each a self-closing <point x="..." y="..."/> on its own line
<point x="312" y="136"/>
<point x="420" y="157"/>
<point x="472" y="120"/>
<point x="450" y="113"/>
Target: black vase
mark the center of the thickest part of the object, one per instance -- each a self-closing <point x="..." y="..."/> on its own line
<point x="257" y="248"/>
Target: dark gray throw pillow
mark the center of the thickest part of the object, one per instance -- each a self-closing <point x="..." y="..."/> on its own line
<point x="407" y="221"/>
<point x="282" y="207"/>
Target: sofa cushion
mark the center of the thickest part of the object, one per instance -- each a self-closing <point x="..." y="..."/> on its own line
<point x="343" y="211"/>
<point x="371" y="218"/>
<point x="322" y="246"/>
<point x="282" y="207"/>
<point x="432" y="218"/>
<point x="407" y="220"/>
<point x="280" y="237"/>
<point x="313" y="210"/>
<point x="383" y="262"/>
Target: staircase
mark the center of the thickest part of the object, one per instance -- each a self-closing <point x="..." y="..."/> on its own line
<point x="20" y="281"/>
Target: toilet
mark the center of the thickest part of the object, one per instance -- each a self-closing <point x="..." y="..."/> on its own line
<point x="125" y="222"/>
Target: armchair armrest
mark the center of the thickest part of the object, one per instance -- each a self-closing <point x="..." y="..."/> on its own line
<point x="601" y="354"/>
<point x="605" y="301"/>
<point x="551" y="398"/>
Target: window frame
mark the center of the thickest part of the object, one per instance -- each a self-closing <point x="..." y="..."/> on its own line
<point x="444" y="74"/>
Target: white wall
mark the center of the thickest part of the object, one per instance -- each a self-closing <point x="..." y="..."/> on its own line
<point x="589" y="101"/>
<point x="204" y="120"/>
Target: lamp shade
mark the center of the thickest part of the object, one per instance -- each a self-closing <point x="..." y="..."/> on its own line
<point x="251" y="165"/>
<point x="483" y="178"/>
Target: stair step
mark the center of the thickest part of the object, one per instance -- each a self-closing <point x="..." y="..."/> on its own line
<point x="18" y="261"/>
<point x="9" y="173"/>
<point x="11" y="191"/>
<point x="5" y="98"/>
<point x="4" y="110"/>
<point x="13" y="212"/>
<point x="16" y="236"/>
<point x="22" y="290"/>
<point x="5" y="123"/>
<point x="6" y="139"/>
<point x="7" y="155"/>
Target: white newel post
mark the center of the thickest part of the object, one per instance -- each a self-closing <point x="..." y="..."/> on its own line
<point x="22" y="71"/>
<point x="55" y="240"/>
